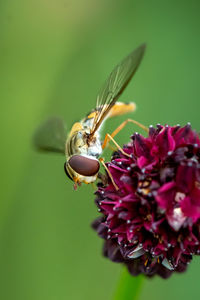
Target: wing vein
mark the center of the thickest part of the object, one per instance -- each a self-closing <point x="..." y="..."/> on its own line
<point x="115" y="85"/>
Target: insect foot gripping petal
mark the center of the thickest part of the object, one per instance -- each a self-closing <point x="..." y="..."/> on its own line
<point x="109" y="174"/>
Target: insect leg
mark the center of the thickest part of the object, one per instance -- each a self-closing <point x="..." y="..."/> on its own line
<point x="109" y="174"/>
<point x="108" y="138"/>
<point x="119" y="128"/>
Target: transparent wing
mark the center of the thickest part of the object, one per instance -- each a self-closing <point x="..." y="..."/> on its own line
<point x="116" y="83"/>
<point x="51" y="136"/>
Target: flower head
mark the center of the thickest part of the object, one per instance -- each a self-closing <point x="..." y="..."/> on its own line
<point x="152" y="223"/>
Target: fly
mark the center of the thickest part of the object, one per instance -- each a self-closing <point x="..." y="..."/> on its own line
<point x="83" y="147"/>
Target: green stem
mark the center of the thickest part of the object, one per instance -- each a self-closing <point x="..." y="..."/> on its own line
<point x="128" y="287"/>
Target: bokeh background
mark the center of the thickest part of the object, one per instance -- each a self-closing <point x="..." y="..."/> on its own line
<point x="54" y="57"/>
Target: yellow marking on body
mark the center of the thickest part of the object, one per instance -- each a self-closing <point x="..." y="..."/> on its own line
<point x="120" y="108"/>
<point x="75" y="179"/>
<point x="91" y="115"/>
<point x="76" y="127"/>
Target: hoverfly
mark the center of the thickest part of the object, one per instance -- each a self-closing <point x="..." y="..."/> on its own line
<point x="83" y="145"/>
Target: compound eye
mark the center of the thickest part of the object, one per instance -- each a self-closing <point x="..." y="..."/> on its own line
<point x="83" y="165"/>
<point x="66" y="172"/>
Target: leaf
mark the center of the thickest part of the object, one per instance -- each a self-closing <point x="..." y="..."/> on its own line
<point x="51" y="136"/>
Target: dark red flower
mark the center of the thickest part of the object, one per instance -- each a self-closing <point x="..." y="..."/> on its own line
<point x="152" y="224"/>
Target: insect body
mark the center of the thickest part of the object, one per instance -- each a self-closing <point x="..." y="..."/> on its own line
<point x="83" y="146"/>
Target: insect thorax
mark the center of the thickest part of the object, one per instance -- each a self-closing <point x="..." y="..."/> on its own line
<point x="79" y="143"/>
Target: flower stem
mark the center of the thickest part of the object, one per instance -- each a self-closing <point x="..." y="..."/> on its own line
<point x="128" y="287"/>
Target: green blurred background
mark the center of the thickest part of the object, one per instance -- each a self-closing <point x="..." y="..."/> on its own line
<point x="54" y="57"/>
